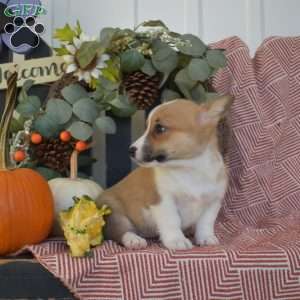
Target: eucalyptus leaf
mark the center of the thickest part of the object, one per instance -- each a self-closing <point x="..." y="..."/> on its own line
<point x="46" y="126"/>
<point x="106" y="124"/>
<point x="29" y="107"/>
<point x="185" y="83"/>
<point x="23" y="95"/>
<point x="165" y="60"/>
<point x="81" y="130"/>
<point x="162" y="51"/>
<point x="86" y="110"/>
<point x="73" y="93"/>
<point x="168" y="95"/>
<point x="216" y="58"/>
<point x="106" y="35"/>
<point x="121" y="107"/>
<point x="131" y="60"/>
<point x="157" y="44"/>
<point x="199" y="69"/>
<point x="198" y="93"/>
<point x="87" y="53"/>
<point x="164" y="79"/>
<point x="59" y="110"/>
<point x="108" y="84"/>
<point x="193" y="46"/>
<point x="148" y="68"/>
<point x="110" y="97"/>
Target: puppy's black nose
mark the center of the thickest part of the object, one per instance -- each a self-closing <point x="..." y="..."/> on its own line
<point x="132" y="151"/>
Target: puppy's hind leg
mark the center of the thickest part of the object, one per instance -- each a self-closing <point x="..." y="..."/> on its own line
<point x="120" y="229"/>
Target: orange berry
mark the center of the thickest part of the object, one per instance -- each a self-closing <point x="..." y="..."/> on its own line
<point x="81" y="146"/>
<point x="65" y="136"/>
<point x="19" y="155"/>
<point x="36" y="138"/>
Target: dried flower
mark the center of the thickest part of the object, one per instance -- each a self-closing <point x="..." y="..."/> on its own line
<point x="73" y="66"/>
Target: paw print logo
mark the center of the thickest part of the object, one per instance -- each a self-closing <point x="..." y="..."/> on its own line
<point x="24" y="32"/>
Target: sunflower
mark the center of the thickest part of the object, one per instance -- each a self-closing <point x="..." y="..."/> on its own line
<point x="93" y="70"/>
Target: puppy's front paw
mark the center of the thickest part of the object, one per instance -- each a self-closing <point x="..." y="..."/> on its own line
<point x="178" y="243"/>
<point x="209" y="240"/>
<point x="132" y="241"/>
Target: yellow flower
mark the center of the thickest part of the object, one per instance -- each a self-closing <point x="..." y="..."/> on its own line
<point x="83" y="224"/>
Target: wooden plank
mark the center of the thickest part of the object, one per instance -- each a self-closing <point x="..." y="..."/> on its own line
<point x="42" y="70"/>
<point x="4" y="261"/>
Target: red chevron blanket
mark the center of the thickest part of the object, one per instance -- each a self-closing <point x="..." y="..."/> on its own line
<point x="259" y="225"/>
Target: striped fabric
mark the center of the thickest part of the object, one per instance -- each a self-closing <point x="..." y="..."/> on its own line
<point x="259" y="224"/>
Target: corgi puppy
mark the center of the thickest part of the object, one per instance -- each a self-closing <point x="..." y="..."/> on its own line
<point x="180" y="183"/>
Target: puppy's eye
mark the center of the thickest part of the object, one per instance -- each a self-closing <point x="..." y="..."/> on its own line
<point x="159" y="129"/>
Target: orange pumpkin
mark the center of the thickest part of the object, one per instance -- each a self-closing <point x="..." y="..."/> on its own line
<point x="26" y="203"/>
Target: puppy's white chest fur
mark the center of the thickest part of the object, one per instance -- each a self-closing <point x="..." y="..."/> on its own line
<point x="192" y="186"/>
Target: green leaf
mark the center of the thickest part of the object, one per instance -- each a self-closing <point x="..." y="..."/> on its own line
<point x="194" y="46"/>
<point x="29" y="107"/>
<point x="198" y="93"/>
<point x="17" y="124"/>
<point x="199" y="69"/>
<point x="148" y="68"/>
<point x="106" y="35"/>
<point x="106" y="124"/>
<point x="164" y="79"/>
<point x="23" y="95"/>
<point x="86" y="110"/>
<point x="161" y="51"/>
<point x="157" y="44"/>
<point x="131" y="60"/>
<point x="59" y="110"/>
<point x="78" y="28"/>
<point x="65" y="34"/>
<point x="168" y="95"/>
<point x="185" y="83"/>
<point x="108" y="84"/>
<point x="48" y="173"/>
<point x="87" y="53"/>
<point x="216" y="58"/>
<point x="61" y="51"/>
<point x="121" y="107"/>
<point x="73" y="93"/>
<point x="46" y="126"/>
<point x="165" y="59"/>
<point x="81" y="131"/>
<point x="154" y="23"/>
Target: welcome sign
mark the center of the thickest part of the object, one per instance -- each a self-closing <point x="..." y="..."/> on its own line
<point x="41" y="70"/>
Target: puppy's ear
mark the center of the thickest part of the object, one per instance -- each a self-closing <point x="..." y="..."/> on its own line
<point x="214" y="110"/>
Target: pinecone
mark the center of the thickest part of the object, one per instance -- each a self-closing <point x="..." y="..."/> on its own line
<point x="54" y="154"/>
<point x="142" y="89"/>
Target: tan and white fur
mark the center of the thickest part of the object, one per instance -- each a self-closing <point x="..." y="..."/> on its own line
<point x="180" y="183"/>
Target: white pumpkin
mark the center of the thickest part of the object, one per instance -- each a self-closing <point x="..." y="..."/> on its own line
<point x="64" y="189"/>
